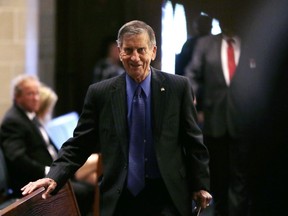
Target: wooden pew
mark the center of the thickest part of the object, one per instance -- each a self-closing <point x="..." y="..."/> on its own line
<point x="62" y="204"/>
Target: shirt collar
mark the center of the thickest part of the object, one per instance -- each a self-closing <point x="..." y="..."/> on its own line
<point x="235" y="38"/>
<point x="31" y="115"/>
<point x="145" y="84"/>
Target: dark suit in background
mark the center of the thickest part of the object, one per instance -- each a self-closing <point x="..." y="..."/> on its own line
<point x="110" y="65"/>
<point x="24" y="147"/>
<point x="228" y="151"/>
<point x="202" y="26"/>
<point x="27" y="156"/>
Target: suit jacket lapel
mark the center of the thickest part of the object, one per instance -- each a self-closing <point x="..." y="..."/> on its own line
<point x="219" y="56"/>
<point x="118" y="107"/>
<point x="160" y="91"/>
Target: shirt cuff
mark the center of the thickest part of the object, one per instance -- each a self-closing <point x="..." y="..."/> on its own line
<point x="47" y="168"/>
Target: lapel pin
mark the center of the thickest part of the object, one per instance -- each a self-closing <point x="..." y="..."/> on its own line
<point x="162" y="89"/>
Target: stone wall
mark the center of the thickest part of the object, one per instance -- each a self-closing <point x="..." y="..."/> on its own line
<point x="27" y="41"/>
<point x="13" y="15"/>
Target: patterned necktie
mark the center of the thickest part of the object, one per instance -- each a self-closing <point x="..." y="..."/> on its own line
<point x="136" y="180"/>
<point x="231" y="58"/>
<point x="46" y="138"/>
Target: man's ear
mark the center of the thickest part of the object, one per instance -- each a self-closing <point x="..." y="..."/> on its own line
<point x="119" y="53"/>
<point x="154" y="51"/>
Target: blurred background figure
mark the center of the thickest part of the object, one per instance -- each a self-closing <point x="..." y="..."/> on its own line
<point x="27" y="147"/>
<point x="212" y="72"/>
<point x="88" y="172"/>
<point x="110" y="65"/>
<point x="202" y="26"/>
<point x="48" y="99"/>
<point x="24" y="147"/>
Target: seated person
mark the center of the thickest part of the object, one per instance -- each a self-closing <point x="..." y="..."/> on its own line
<point x="27" y="150"/>
<point x="48" y="99"/>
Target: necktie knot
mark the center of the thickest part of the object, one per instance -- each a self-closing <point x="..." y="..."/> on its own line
<point x="138" y="91"/>
<point x="45" y="136"/>
<point x="35" y="120"/>
<point x="230" y="41"/>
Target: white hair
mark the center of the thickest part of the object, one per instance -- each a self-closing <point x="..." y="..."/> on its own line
<point x="18" y="81"/>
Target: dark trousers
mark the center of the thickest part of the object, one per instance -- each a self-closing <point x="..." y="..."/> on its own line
<point x="154" y="200"/>
<point x="229" y="159"/>
<point x="84" y="194"/>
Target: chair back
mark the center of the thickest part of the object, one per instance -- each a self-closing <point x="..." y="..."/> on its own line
<point x="6" y="196"/>
<point x="3" y="175"/>
<point x="63" y="204"/>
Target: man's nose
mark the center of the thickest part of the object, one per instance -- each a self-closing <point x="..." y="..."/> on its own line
<point x="36" y="97"/>
<point x="135" y="55"/>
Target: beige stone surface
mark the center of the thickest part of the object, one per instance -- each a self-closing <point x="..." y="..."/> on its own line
<point x="12" y="46"/>
<point x="13" y="3"/>
<point x="19" y="26"/>
<point x="11" y="52"/>
<point x="7" y="25"/>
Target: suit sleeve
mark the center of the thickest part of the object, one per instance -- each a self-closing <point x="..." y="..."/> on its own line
<point x="196" y="153"/>
<point x="194" y="71"/>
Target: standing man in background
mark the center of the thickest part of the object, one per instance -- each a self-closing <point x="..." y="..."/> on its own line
<point x="212" y="72"/>
<point x="202" y="26"/>
<point x="143" y="123"/>
<point x="110" y="65"/>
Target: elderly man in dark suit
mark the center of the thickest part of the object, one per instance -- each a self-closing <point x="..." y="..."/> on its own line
<point x="173" y="161"/>
<point x="27" y="148"/>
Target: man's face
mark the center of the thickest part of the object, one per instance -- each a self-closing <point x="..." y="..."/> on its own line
<point x="136" y="55"/>
<point x="28" y="98"/>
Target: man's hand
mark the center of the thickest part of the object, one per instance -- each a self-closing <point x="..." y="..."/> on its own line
<point x="200" y="117"/>
<point x="48" y="183"/>
<point x="202" y="199"/>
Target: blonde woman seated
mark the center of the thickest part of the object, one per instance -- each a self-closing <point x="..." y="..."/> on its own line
<point x="48" y="99"/>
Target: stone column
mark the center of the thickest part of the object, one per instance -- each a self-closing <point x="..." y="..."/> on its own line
<point x="26" y="43"/>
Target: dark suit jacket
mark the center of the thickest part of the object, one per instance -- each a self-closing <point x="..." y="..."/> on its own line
<point x="24" y="148"/>
<point x="181" y="155"/>
<point x="206" y="76"/>
<point x="183" y="58"/>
